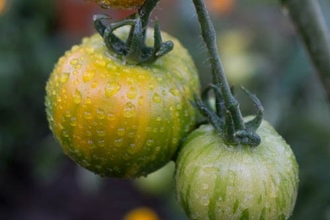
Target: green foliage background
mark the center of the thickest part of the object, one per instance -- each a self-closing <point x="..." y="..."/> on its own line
<point x="39" y="182"/>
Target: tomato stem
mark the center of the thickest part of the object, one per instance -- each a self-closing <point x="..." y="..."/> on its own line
<point x="230" y="122"/>
<point x="134" y="50"/>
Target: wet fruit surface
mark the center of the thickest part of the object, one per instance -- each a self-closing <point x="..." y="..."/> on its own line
<point x="220" y="182"/>
<point x="121" y="120"/>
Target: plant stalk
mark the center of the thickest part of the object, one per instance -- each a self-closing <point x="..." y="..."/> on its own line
<point x="311" y="26"/>
<point x="219" y="77"/>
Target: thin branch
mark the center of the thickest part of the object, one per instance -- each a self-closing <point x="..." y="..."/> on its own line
<point x="311" y="26"/>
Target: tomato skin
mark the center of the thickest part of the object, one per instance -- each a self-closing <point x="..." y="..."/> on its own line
<point x="216" y="181"/>
<point x="120" y="4"/>
<point x="121" y="120"/>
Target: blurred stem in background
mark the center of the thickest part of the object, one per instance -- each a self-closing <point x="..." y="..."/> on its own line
<point x="311" y="26"/>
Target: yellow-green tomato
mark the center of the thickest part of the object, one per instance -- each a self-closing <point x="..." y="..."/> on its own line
<point x="116" y="119"/>
<point x="216" y="181"/>
<point x="119" y="4"/>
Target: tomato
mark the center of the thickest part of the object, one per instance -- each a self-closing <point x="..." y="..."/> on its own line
<point x="120" y="4"/>
<point x="117" y="119"/>
<point x="218" y="181"/>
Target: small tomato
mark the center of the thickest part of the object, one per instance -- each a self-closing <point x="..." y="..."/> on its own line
<point x="220" y="182"/>
<point x="117" y="119"/>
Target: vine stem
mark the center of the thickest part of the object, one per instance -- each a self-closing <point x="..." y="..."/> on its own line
<point x="219" y="77"/>
<point x="312" y="28"/>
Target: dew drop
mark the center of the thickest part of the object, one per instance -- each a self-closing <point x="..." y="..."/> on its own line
<point x="100" y="114"/>
<point x="178" y="107"/>
<point x="76" y="96"/>
<point x="121" y="131"/>
<point x="132" y="93"/>
<point x="65" y="133"/>
<point x="205" y="186"/>
<point x="65" y="77"/>
<point x="100" y="62"/>
<point x="156" y="98"/>
<point x="101" y="143"/>
<point x="111" y="116"/>
<point x="159" y="118"/>
<point x="131" y="134"/>
<point x="87" y="115"/>
<point x="131" y="149"/>
<point x="73" y="121"/>
<point x="111" y="89"/>
<point x="74" y="61"/>
<point x="100" y="132"/>
<point x="91" y="144"/>
<point x="94" y="85"/>
<point x="88" y="100"/>
<point x="129" y="110"/>
<point x="118" y="142"/>
<point x="174" y="92"/>
<point x="150" y="142"/>
<point x="140" y="101"/>
<point x="162" y="129"/>
<point x="88" y="75"/>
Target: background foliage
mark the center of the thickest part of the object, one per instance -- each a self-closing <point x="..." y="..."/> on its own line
<point x="259" y="49"/>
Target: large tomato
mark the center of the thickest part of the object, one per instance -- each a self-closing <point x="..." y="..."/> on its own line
<point x="119" y="4"/>
<point x="221" y="182"/>
<point x="117" y="119"/>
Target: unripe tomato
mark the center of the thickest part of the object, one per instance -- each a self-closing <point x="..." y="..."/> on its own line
<point x="120" y="4"/>
<point x="221" y="182"/>
<point x="117" y="119"/>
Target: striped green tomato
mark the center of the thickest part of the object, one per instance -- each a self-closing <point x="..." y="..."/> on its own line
<point x="116" y="119"/>
<point x="220" y="182"/>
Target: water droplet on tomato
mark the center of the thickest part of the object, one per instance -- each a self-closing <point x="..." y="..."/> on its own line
<point x="87" y="115"/>
<point x="132" y="93"/>
<point x="132" y="148"/>
<point x="121" y="131"/>
<point x="74" y="61"/>
<point x="100" y="114"/>
<point x="156" y="98"/>
<point x="174" y="92"/>
<point x="65" y="77"/>
<point x="111" y="89"/>
<point x="159" y="118"/>
<point x="205" y="186"/>
<point x="94" y="84"/>
<point x="129" y="110"/>
<point x="101" y="143"/>
<point x="88" y="100"/>
<point x="73" y="121"/>
<point x="65" y="133"/>
<point x="150" y="142"/>
<point x="118" y="142"/>
<point x="91" y="144"/>
<point x="76" y="96"/>
<point x="100" y="132"/>
<point x="111" y="116"/>
<point x="88" y="75"/>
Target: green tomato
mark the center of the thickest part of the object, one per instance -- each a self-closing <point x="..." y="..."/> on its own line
<point x="220" y="182"/>
<point x="116" y="119"/>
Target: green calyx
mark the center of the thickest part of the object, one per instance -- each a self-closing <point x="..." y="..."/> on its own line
<point x="134" y="49"/>
<point x="223" y="120"/>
